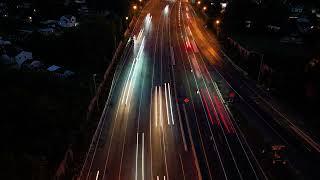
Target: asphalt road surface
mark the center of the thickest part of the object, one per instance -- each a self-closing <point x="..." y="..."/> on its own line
<point x="167" y="116"/>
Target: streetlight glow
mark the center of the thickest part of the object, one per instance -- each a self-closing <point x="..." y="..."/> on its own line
<point x="135" y="7"/>
<point x="204" y="8"/>
<point x="199" y="2"/>
<point x="217" y="22"/>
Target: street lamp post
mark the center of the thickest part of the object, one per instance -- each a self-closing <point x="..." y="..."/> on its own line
<point x="217" y="23"/>
<point x="135" y="7"/>
<point x="204" y="8"/>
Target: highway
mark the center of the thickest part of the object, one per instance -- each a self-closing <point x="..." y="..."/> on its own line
<point x="166" y="116"/>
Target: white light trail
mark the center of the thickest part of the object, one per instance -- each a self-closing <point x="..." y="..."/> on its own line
<point x="137" y="148"/>
<point x="140" y="34"/>
<point x="97" y="176"/>
<point x="166" y="9"/>
<point x="142" y="163"/>
<point x="156" y="106"/>
<point x="128" y="79"/>
<point x="148" y="20"/>
<point x="160" y="96"/>
<point x="132" y="73"/>
<point x="169" y="89"/>
<point x="167" y="107"/>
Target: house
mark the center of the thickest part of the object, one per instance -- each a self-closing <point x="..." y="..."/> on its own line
<point x="36" y="65"/>
<point x="25" y="5"/>
<point x="46" y="31"/>
<point x="60" y="72"/>
<point x="304" y="25"/>
<point x="4" y="42"/>
<point x="3" y="10"/>
<point x="53" y="68"/>
<point x="80" y="1"/>
<point x="49" y="22"/>
<point x="296" y="8"/>
<point x="67" y="21"/>
<point x="83" y="10"/>
<point x="6" y="60"/>
<point x="22" y="57"/>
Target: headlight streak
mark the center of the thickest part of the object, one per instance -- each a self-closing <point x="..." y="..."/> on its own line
<point x="148" y="20"/>
<point x="142" y="154"/>
<point x="140" y="34"/>
<point x="132" y="73"/>
<point x="156" y="106"/>
<point x="137" y="149"/>
<point x="169" y="89"/>
<point x="167" y="107"/>
<point x="160" y="96"/>
<point x="166" y="9"/>
<point x="97" y="176"/>
<point x="142" y="157"/>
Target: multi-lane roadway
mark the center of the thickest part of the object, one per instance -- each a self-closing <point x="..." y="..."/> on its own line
<point x="166" y="116"/>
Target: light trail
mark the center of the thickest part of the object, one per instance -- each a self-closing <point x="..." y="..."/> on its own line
<point x="188" y="45"/>
<point x="166" y="9"/>
<point x="156" y="106"/>
<point x="164" y="149"/>
<point x="137" y="148"/>
<point x="213" y="108"/>
<point x="167" y="107"/>
<point x="132" y="73"/>
<point x="97" y="176"/>
<point x="196" y="67"/>
<point x="207" y="107"/>
<point x="126" y="86"/>
<point x="229" y="123"/>
<point x="169" y="89"/>
<point x="160" y="96"/>
<point x="148" y="20"/>
<point x="142" y="154"/>
<point x="214" y="141"/>
<point x="222" y="115"/>
<point x="183" y="173"/>
<point x="219" y="94"/>
<point x="140" y="34"/>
